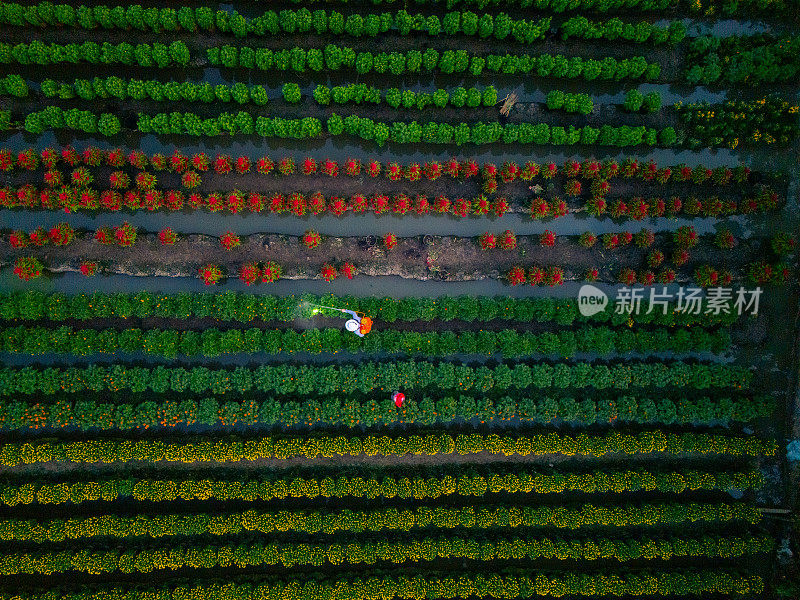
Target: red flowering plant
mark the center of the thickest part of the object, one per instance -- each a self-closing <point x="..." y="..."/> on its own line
<point x="27" y="268"/>
<point x="359" y="203"/>
<point x="255" y="202"/>
<point x="627" y="276"/>
<point x="630" y="168"/>
<point x="191" y="180"/>
<point x="401" y="205"/>
<point x="516" y="276"/>
<point x="379" y="204"/>
<point x="619" y="209"/>
<point x="647" y="278"/>
<point x="591" y="274"/>
<point x="38" y="237"/>
<point x="18" y="239"/>
<point x="481" y="206"/>
<point x="536" y="276"/>
<point x="390" y="241"/>
<point x="242" y="165"/>
<point x="61" y="234"/>
<point x="317" y="203"/>
<point x="587" y="239"/>
<point x="329" y="272"/>
<point x="509" y="171"/>
<point x="119" y="180"/>
<point x="337" y="206"/>
<point x="666" y="276"/>
<point x="297" y="204"/>
<point x="264" y="165"/>
<point x="655" y="258"/>
<point x="489" y="185"/>
<point x="783" y="243"/>
<point x="706" y="276"/>
<point x="760" y="272"/>
<point x="487" y="241"/>
<point x="394" y="172"/>
<point x="330" y="168"/>
<point x="211" y="274"/>
<point x="309" y="166"/>
<point x="548" y="238"/>
<point x="277" y="204"/>
<point x="461" y="207"/>
<point x="53" y="178"/>
<point x="554" y="276"/>
<point x="92" y="156"/>
<point x="644" y="238"/>
<point x="422" y="206"/>
<point x="572" y="187"/>
<point x="507" y="240"/>
<point x="572" y="168"/>
<point x="500" y="206"/>
<point x="138" y="159"/>
<point x="452" y="167"/>
<point x="600" y="187"/>
<point x="558" y="208"/>
<point x="81" y="177"/>
<point x="6" y="160"/>
<point x="373" y="168"/>
<point x="348" y="270"/>
<point x="249" y="273"/>
<point x="680" y="257"/>
<point x="178" y="162"/>
<point x="489" y="171"/>
<point x="222" y="164"/>
<point x="625" y="238"/>
<point x="271" y="272"/>
<point x="158" y="162"/>
<point x="432" y="171"/>
<point x="596" y="206"/>
<point x="591" y="169"/>
<point x="441" y="204"/>
<point x="610" y="240"/>
<point x="469" y="168"/>
<point x="145" y="181"/>
<point x="125" y="235"/>
<point x="413" y="172"/>
<point x="88" y="268"/>
<point x="235" y="202"/>
<point x="167" y="237"/>
<point x="311" y="239"/>
<point x="724" y="239"/>
<point x="352" y="167"/>
<point x="685" y="237"/>
<point x="638" y="209"/>
<point x="200" y="162"/>
<point x="540" y="209"/>
<point x="550" y="170"/>
<point x="529" y="171"/>
<point x="50" y="158"/>
<point x="230" y="240"/>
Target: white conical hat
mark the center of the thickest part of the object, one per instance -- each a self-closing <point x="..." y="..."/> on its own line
<point x="352" y="325"/>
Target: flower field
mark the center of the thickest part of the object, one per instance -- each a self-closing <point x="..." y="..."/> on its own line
<point x="355" y="300"/>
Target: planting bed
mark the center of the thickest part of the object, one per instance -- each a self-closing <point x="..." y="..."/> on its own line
<point x="183" y="414"/>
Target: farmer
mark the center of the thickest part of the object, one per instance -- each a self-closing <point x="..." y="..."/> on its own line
<point x="358" y="324"/>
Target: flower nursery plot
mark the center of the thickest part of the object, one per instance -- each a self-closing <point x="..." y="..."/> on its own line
<point x="354" y="300"/>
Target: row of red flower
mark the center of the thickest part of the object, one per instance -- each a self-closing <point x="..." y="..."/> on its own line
<point x="636" y="208"/>
<point x="509" y="171"/>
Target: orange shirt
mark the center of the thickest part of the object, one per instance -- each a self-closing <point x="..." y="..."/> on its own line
<point x="366" y="325"/>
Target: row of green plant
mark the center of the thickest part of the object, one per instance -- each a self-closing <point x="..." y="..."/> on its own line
<point x="270" y="447"/>
<point x="265" y="411"/>
<point x="418" y="586"/>
<point x="273" y="23"/>
<point x="211" y="342"/>
<point x="370" y="486"/>
<point x="396" y="98"/>
<point x="615" y="29"/>
<point x="137" y="89"/>
<point x="34" y="305"/>
<point x="750" y="60"/>
<point x="335" y="58"/>
<point x="144" y="55"/>
<point x="207" y="556"/>
<point x="375" y="520"/>
<point x="368" y="376"/>
<point x="54" y="117"/>
<point x="13" y="85"/>
<point x="571" y="103"/>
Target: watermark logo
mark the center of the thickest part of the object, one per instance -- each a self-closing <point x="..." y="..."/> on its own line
<point x="688" y="300"/>
<point x="591" y="300"/>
